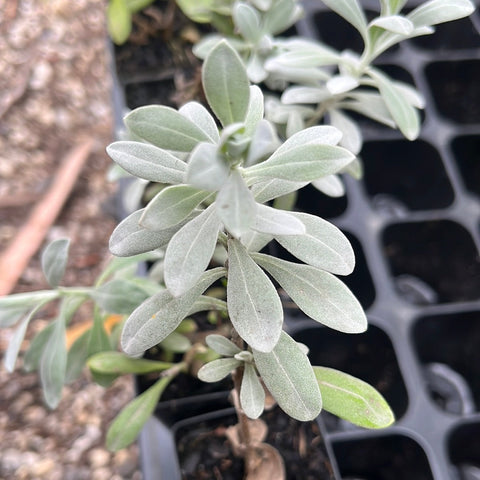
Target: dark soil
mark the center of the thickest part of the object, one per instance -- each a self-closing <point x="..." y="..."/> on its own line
<point x="205" y="454"/>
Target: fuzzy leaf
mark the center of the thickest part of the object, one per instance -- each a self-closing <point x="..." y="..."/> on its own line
<point x="277" y="222"/>
<point x="247" y="21"/>
<point x="352" y="399"/>
<point x="351" y="11"/>
<point x="166" y="128"/>
<point x="339" y="84"/>
<point x="352" y="136"/>
<point x="53" y="364"/>
<point x="176" y="343"/>
<point x="170" y="206"/>
<point x="253" y="303"/>
<point x="440" y="11"/>
<point x="300" y="94"/>
<point x="222" y="345"/>
<point x="235" y="205"/>
<point x="330" y="185"/>
<point x="16" y="341"/>
<point x="226" y="84"/>
<point x="404" y="114"/>
<point x="31" y="360"/>
<point x="254" y="110"/>
<point x="12" y="307"/>
<point x="395" y="24"/>
<point x="288" y="375"/>
<point x="117" y="363"/>
<point x="323" y="245"/>
<point x="119" y="296"/>
<point x="263" y="143"/>
<point x="371" y="105"/>
<point x="270" y="189"/>
<point x="77" y="358"/>
<point x="54" y="261"/>
<point x="130" y="238"/>
<point x="207" y="169"/>
<point x="127" y="425"/>
<point x="190" y="250"/>
<point x="281" y="15"/>
<point x="217" y="370"/>
<point x="206" y="303"/>
<point x="199" y="115"/>
<point x="161" y="314"/>
<point x="252" y="394"/>
<point x="148" y="162"/>
<point x="319" y="294"/>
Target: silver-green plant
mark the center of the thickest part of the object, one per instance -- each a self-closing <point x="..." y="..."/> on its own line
<point x="220" y="178"/>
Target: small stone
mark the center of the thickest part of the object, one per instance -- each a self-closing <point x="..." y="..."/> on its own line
<point x="42" y="468"/>
<point x="41" y="76"/>
<point x="98" y="457"/>
<point x="102" y="474"/>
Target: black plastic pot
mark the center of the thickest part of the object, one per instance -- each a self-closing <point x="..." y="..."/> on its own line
<point x="414" y="222"/>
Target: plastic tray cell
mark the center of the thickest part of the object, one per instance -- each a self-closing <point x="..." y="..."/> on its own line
<point x="448" y="347"/>
<point x="454" y="85"/>
<point x="464" y="450"/>
<point x="466" y="150"/>
<point x="438" y="254"/>
<point x="388" y="175"/>
<point x="389" y="457"/>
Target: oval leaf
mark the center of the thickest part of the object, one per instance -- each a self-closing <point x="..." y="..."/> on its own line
<point x="288" y="375"/>
<point x="235" y="205"/>
<point x="351" y="11"/>
<point x="217" y="370"/>
<point x="148" y="162"/>
<point x="352" y="399"/>
<point x="190" y="250"/>
<point x="440" y="11"/>
<point x="199" y="115"/>
<point x="253" y="303"/>
<point x="161" y="314"/>
<point x="252" y="394"/>
<point x="319" y="294"/>
<point x="164" y="127"/>
<point x="277" y="222"/>
<point x="54" y="261"/>
<point x="170" y="206"/>
<point x="226" y="84"/>
<point x="118" y="363"/>
<point x="222" y="345"/>
<point x="119" y="296"/>
<point x="323" y="245"/>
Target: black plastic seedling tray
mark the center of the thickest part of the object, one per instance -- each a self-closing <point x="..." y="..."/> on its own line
<point x="414" y="222"/>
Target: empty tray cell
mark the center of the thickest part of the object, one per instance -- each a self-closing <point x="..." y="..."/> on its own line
<point x="448" y="346"/>
<point x="464" y="449"/>
<point x="467" y="155"/>
<point x="450" y="36"/>
<point x="402" y="175"/>
<point x="433" y="262"/>
<point x="369" y="356"/>
<point x="389" y="457"/>
<point x="454" y="85"/>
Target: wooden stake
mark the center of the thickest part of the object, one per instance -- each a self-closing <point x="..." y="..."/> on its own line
<point x="29" y="238"/>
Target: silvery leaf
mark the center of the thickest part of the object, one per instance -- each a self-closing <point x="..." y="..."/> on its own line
<point x="130" y="238"/>
<point x="247" y="22"/>
<point x="255" y="68"/>
<point x="118" y="296"/>
<point x="165" y="127"/>
<point x="226" y="84"/>
<point x="255" y="241"/>
<point x="371" y="105"/>
<point x="339" y="84"/>
<point x="54" y="261"/>
<point x="170" y="206"/>
<point x="199" y="115"/>
<point x="281" y="15"/>
<point x="323" y="245"/>
<point x="252" y="394"/>
<point x="147" y="162"/>
<point x="263" y="143"/>
<point x="254" y="110"/>
<point x="289" y="377"/>
<point x="190" y="250"/>
<point x="440" y="11"/>
<point x="253" y="304"/>
<point x="267" y="190"/>
<point x="161" y="314"/>
<point x="319" y="294"/>
<point x="217" y="370"/>
<point x="352" y="136"/>
<point x="276" y="222"/>
<point x="207" y="169"/>
<point x="394" y="23"/>
<point x="235" y="205"/>
<point x="295" y="124"/>
<point x="351" y="11"/>
<point x="300" y="94"/>
<point x="405" y="115"/>
<point x="330" y="185"/>
<point x="222" y="345"/>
